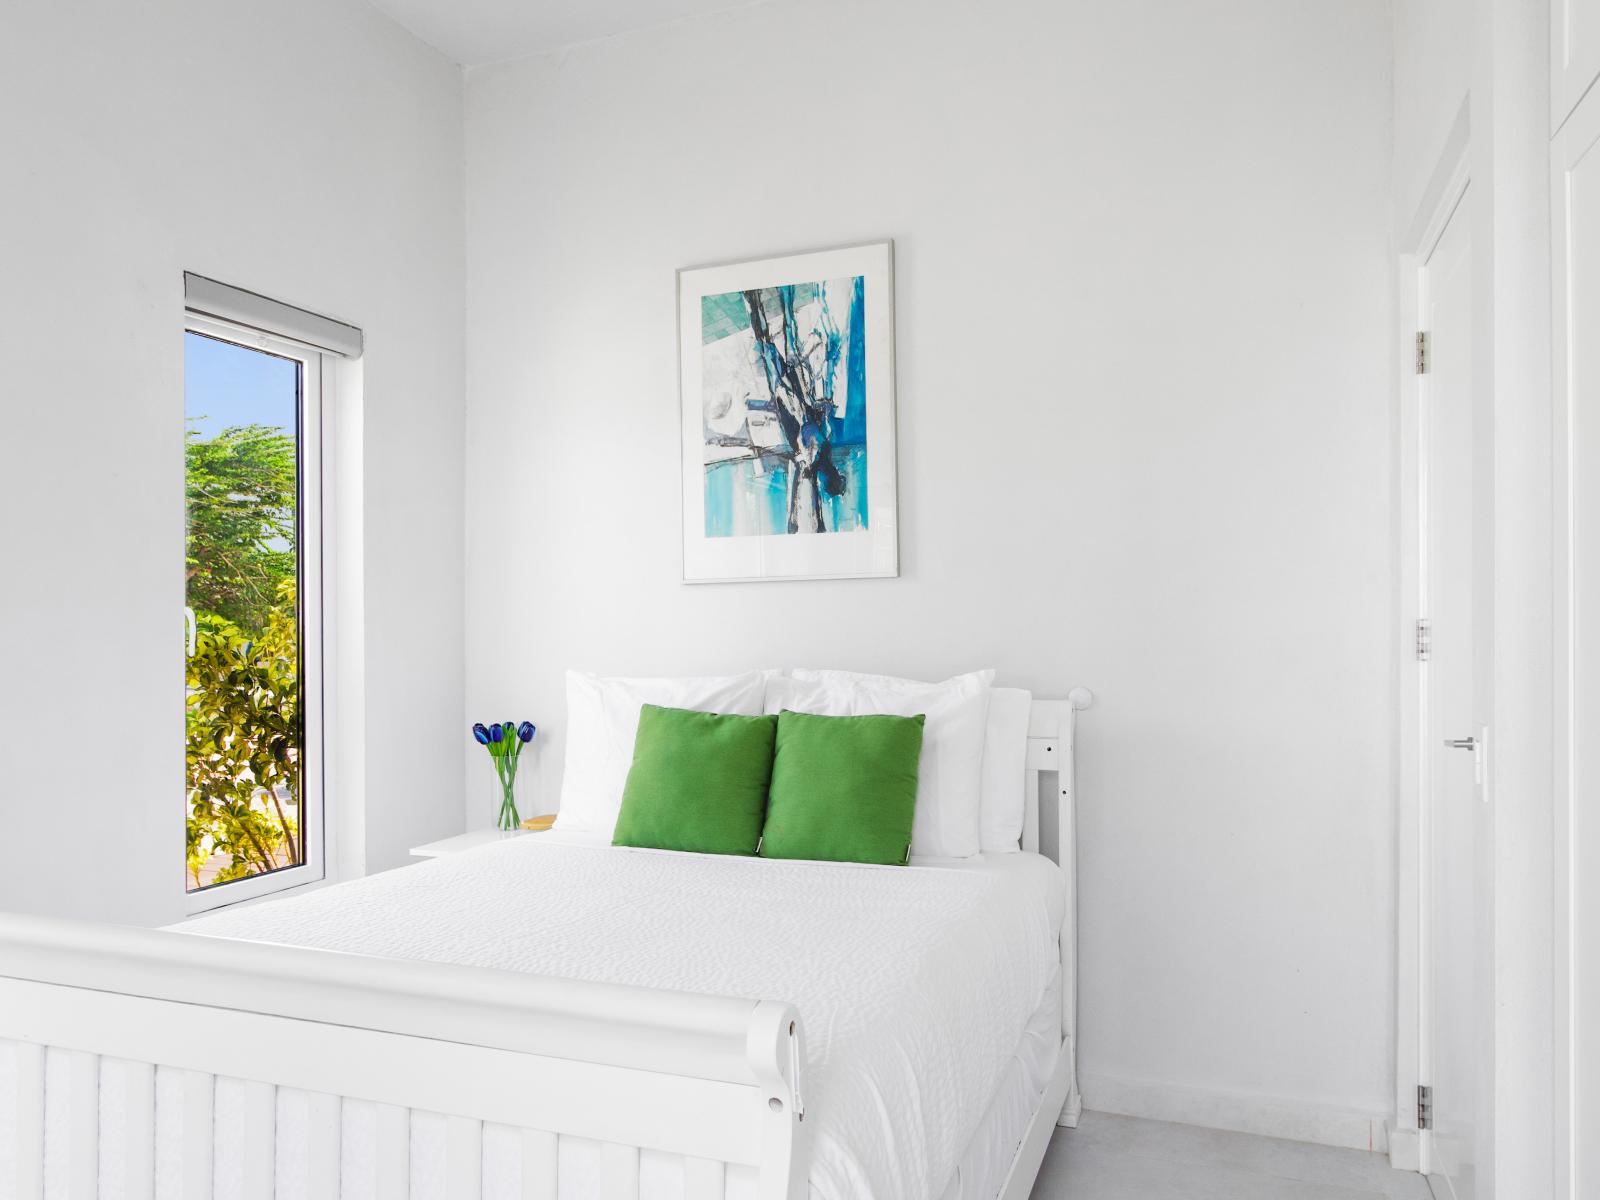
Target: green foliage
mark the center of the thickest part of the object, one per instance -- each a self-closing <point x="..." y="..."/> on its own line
<point x="245" y="721"/>
<point x="245" y="732"/>
<point x="241" y="491"/>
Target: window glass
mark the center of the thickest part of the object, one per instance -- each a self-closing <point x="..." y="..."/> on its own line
<point x="245" y="716"/>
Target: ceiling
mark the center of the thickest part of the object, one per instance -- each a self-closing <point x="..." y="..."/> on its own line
<point x="480" y="31"/>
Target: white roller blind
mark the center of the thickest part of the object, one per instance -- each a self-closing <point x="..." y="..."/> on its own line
<point x="212" y="299"/>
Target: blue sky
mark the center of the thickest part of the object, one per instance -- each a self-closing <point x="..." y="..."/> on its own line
<point x="232" y="385"/>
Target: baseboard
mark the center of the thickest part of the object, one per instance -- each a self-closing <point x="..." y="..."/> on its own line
<point x="1405" y="1149"/>
<point x="1240" y="1112"/>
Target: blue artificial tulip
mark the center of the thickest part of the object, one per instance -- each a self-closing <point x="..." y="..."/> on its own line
<point x="481" y="732"/>
<point x="496" y="734"/>
<point x="526" y="730"/>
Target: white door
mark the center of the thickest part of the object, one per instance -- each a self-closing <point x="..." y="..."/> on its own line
<point x="1452" y="825"/>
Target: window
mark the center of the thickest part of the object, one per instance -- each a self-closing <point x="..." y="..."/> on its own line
<point x="253" y="621"/>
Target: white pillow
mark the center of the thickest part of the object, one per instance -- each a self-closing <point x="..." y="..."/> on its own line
<point x="603" y="721"/>
<point x="1005" y="770"/>
<point x="950" y="770"/>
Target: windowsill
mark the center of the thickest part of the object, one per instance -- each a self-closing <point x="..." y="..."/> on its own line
<point x="290" y="881"/>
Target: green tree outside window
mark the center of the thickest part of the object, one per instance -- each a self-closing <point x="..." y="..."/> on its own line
<point x="245" y="716"/>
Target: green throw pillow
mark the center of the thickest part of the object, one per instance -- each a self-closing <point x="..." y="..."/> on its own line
<point x="698" y="782"/>
<point x="844" y="789"/>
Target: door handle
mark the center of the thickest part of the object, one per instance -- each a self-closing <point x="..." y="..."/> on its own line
<point x="1479" y="745"/>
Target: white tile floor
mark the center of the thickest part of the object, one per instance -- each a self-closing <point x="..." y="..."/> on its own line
<point x="1123" y="1158"/>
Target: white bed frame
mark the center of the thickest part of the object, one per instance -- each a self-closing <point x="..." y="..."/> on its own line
<point x="124" y="1040"/>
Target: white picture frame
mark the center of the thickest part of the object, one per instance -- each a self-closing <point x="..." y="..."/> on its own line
<point x="788" y="434"/>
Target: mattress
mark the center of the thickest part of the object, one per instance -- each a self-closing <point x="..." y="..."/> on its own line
<point x="916" y="985"/>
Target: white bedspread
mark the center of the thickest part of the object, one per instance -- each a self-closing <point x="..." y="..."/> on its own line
<point x="914" y="983"/>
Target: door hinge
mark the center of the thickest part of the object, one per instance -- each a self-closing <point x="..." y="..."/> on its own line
<point x="1422" y="353"/>
<point x="1424" y="639"/>
<point x="1424" y="1107"/>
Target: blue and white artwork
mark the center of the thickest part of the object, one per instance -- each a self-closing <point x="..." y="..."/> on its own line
<point x="784" y="391"/>
<point x="787" y="394"/>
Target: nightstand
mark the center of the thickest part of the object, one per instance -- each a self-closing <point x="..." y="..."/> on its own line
<point x="480" y="837"/>
<point x="465" y="841"/>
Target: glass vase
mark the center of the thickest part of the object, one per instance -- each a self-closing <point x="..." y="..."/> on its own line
<point x="505" y="793"/>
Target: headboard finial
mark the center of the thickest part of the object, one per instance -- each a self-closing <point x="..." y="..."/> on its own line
<point x="1080" y="698"/>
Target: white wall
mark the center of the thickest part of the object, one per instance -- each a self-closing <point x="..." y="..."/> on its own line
<point x="1144" y="292"/>
<point x="309" y="150"/>
<point x="1434" y="48"/>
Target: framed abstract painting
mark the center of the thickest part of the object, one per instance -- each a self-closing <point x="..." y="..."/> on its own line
<point x="787" y="376"/>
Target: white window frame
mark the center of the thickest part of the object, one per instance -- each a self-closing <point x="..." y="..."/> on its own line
<point x="316" y="390"/>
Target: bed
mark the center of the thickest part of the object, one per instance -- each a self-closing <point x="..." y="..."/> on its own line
<point x="550" y="1017"/>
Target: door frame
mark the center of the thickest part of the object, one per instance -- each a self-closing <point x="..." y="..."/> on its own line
<point x="1577" y="136"/>
<point x="1410" y="1148"/>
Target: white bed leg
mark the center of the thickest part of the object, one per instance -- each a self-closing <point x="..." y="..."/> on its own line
<point x="1070" y="1112"/>
<point x="1072" y="1109"/>
<point x="1036" y="1138"/>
